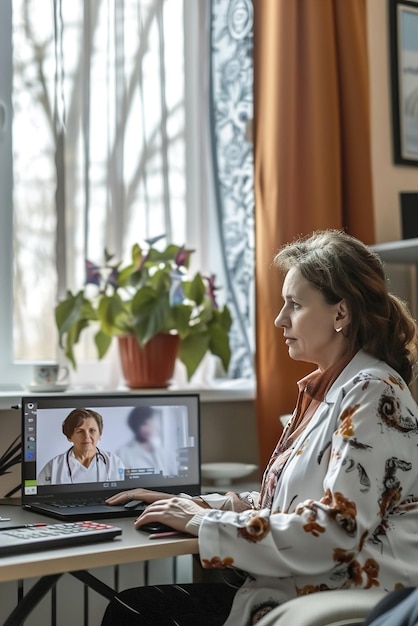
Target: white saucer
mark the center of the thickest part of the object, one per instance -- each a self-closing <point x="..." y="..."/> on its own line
<point x="48" y="388"/>
<point x="224" y="473"/>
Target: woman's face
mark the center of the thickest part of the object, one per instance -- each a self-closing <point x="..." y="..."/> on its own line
<point x="146" y="430"/>
<point x="309" y="323"/>
<point x="85" y="436"/>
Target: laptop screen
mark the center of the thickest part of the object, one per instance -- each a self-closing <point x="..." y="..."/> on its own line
<point x="108" y="443"/>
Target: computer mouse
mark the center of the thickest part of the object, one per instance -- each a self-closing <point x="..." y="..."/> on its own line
<point x="155" y="527"/>
<point x="134" y="504"/>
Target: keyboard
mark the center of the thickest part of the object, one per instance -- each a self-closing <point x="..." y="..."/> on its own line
<point x="35" y="537"/>
<point x="80" y="502"/>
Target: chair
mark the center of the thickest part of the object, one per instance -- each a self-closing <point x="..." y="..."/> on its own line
<point x="326" y="608"/>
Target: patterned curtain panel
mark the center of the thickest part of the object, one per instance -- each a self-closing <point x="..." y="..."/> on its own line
<point x="231" y="118"/>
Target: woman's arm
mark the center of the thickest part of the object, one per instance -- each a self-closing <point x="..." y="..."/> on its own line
<point x="229" y="501"/>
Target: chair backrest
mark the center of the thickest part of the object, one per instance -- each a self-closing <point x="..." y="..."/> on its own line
<point x="325" y="608"/>
<point x="354" y="621"/>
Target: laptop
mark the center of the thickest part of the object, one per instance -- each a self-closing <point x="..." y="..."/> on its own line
<point x="146" y="440"/>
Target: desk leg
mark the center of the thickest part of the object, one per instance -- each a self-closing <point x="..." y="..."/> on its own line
<point x="86" y="604"/>
<point x="54" y="606"/>
<point x="31" y="599"/>
<point x="45" y="584"/>
<point x="94" y="583"/>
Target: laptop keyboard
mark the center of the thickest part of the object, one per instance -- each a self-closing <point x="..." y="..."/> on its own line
<point x="65" y="504"/>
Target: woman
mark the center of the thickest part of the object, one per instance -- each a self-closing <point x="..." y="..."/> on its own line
<point x="338" y="506"/>
<point x="84" y="462"/>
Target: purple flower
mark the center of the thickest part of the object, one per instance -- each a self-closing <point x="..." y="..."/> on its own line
<point x="113" y="278"/>
<point x="211" y="288"/>
<point x="182" y="257"/>
<point x="93" y="275"/>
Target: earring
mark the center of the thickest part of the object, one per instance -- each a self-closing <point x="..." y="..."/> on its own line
<point x="338" y="330"/>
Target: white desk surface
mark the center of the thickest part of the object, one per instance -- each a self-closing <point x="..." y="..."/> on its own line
<point x="131" y="546"/>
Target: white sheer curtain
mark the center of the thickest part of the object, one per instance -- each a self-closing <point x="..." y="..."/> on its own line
<point x="99" y="144"/>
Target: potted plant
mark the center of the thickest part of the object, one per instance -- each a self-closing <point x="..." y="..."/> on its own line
<point x="150" y="300"/>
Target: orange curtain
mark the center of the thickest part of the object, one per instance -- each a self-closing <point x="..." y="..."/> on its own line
<point x="312" y="160"/>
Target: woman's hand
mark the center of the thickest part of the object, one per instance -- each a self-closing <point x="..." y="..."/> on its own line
<point x="174" y="512"/>
<point x="238" y="504"/>
<point x="142" y="495"/>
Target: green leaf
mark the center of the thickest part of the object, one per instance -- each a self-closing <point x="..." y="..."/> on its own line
<point x="136" y="255"/>
<point x="192" y="350"/>
<point x="72" y="315"/>
<point x="223" y="317"/>
<point x="112" y="314"/>
<point x="179" y="319"/>
<point x="102" y="341"/>
<point x="160" y="281"/>
<point x="205" y="312"/>
<point x="195" y="290"/>
<point x="150" y="313"/>
<point x="219" y="344"/>
<point x="68" y="312"/>
<point x="166" y="257"/>
<point x="124" y="275"/>
<point x="72" y="337"/>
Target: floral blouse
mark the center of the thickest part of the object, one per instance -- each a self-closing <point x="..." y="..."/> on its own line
<point x="344" y="512"/>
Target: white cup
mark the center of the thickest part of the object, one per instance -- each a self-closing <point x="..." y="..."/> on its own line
<point x="45" y="374"/>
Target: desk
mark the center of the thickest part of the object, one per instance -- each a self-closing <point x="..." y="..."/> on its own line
<point x="132" y="546"/>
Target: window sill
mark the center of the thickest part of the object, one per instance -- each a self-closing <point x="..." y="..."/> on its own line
<point x="221" y="391"/>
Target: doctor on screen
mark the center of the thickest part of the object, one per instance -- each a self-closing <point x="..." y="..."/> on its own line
<point x="145" y="451"/>
<point x="83" y="462"/>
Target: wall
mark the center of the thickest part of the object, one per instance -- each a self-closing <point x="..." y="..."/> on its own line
<point x="388" y="179"/>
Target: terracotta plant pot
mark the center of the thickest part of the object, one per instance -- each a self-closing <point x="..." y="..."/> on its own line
<point x="151" y="366"/>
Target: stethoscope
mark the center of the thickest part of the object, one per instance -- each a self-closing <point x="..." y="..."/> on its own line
<point x="99" y="456"/>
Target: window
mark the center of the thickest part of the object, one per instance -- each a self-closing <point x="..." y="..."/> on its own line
<point x="98" y="136"/>
<point x="108" y="125"/>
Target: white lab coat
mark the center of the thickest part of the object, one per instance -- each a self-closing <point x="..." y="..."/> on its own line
<point x="65" y="468"/>
<point x="345" y="510"/>
<point x="134" y="456"/>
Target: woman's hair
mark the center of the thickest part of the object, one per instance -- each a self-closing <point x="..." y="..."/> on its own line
<point x="342" y="267"/>
<point x="139" y="416"/>
<point x="77" y="417"/>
